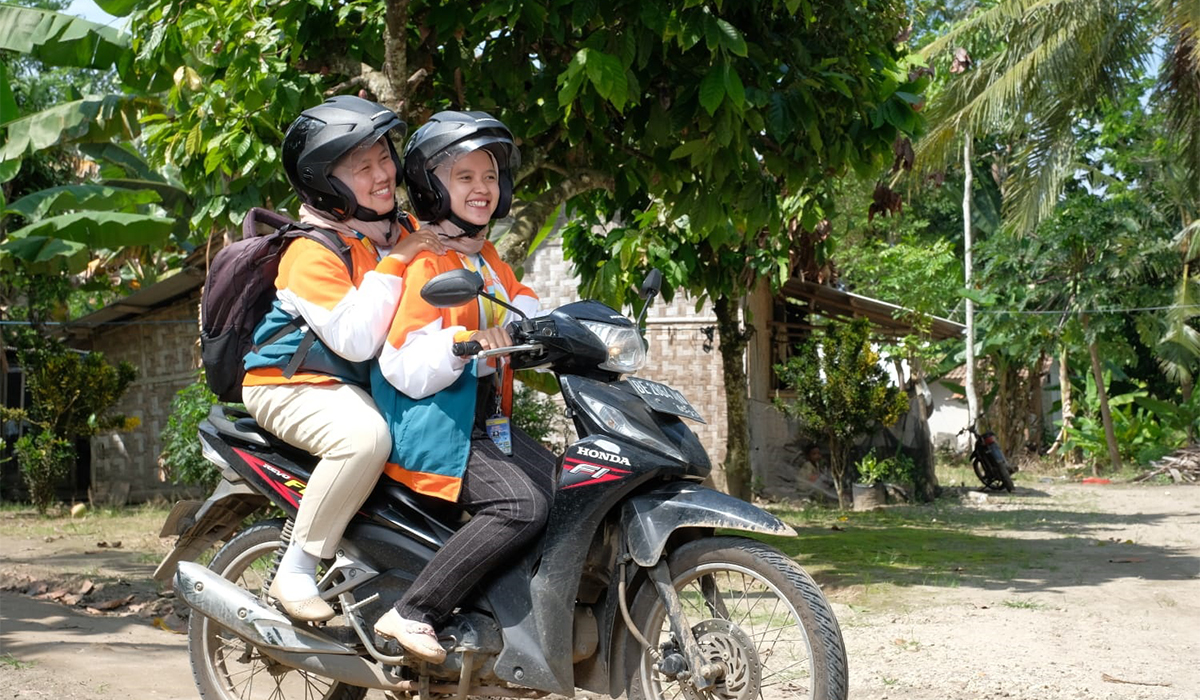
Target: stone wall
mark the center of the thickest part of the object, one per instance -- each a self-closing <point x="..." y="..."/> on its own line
<point x="164" y="345"/>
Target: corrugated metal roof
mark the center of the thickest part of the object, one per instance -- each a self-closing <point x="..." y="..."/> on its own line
<point x="146" y="299"/>
<point x="888" y="318"/>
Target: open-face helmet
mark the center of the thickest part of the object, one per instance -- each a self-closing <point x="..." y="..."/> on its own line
<point x="321" y="136"/>
<point x="445" y="138"/>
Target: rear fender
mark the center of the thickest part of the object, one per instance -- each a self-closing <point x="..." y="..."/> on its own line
<point x="649" y="518"/>
<point x="199" y="525"/>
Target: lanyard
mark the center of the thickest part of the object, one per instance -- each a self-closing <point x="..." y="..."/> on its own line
<point x="369" y="245"/>
<point x="491" y="314"/>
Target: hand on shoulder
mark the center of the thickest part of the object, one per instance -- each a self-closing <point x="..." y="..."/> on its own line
<point x="415" y="243"/>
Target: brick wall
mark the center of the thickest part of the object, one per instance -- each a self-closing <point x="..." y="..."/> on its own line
<point x="163" y="345"/>
<point x="675" y="333"/>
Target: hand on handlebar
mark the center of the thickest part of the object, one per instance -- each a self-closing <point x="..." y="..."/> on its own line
<point x="491" y="338"/>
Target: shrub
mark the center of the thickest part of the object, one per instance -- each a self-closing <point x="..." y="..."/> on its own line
<point x="45" y="459"/>
<point x="898" y="469"/>
<point x="534" y="413"/>
<point x="181" y="459"/>
<point x="71" y="394"/>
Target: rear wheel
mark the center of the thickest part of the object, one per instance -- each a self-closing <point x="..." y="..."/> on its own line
<point x="225" y="666"/>
<point x="752" y="610"/>
<point x="992" y="478"/>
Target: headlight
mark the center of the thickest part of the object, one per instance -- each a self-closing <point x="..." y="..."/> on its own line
<point x="626" y="353"/>
<point x="615" y="421"/>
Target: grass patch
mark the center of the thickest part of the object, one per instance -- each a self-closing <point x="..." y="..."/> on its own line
<point x="1023" y="605"/>
<point x="947" y="544"/>
<point x="13" y="662"/>
<point x="106" y="523"/>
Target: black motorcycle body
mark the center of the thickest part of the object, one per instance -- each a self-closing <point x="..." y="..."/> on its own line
<point x="630" y="526"/>
<point x="989" y="462"/>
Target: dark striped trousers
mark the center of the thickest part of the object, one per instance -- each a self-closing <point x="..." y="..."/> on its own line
<point x="508" y="499"/>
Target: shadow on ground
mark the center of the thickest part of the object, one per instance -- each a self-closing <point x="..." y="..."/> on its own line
<point x="955" y="544"/>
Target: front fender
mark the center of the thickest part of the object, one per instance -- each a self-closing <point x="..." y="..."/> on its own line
<point x="650" y="518"/>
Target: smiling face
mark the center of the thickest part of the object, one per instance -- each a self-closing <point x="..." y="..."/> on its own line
<point x="370" y="173"/>
<point x="474" y="187"/>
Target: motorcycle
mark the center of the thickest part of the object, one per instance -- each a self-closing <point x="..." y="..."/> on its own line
<point x="630" y="589"/>
<point x="988" y="461"/>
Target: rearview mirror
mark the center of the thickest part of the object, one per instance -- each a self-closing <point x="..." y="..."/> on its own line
<point x="453" y="288"/>
<point x="652" y="285"/>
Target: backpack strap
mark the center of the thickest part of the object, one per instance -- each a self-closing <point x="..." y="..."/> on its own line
<point x="326" y="237"/>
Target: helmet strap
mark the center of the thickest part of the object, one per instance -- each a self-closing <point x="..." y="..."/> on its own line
<point x="469" y="230"/>
<point x="364" y="214"/>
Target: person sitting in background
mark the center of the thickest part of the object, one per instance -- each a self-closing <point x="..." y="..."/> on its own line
<point x="812" y="480"/>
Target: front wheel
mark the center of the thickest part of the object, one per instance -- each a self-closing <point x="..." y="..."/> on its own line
<point x="228" y="668"/>
<point x="752" y="610"/>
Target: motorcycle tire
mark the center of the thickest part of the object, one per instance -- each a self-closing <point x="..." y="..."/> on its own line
<point x="989" y="476"/>
<point x="224" y="666"/>
<point x="1005" y="478"/>
<point x="771" y="627"/>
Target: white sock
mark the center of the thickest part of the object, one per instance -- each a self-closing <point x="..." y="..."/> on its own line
<point x="296" y="578"/>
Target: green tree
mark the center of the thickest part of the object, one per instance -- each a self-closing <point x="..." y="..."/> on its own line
<point x="70" y="195"/>
<point x="1039" y="68"/>
<point x="739" y="191"/>
<point x="841" y="391"/>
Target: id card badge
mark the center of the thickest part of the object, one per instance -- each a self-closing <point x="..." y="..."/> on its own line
<point x="499" y="430"/>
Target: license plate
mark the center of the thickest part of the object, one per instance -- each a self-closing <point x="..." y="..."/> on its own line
<point x="663" y="398"/>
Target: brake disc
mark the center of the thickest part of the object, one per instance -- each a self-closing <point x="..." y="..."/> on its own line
<point x="723" y="642"/>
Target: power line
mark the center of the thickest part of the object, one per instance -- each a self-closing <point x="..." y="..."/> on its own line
<point x="1061" y="312"/>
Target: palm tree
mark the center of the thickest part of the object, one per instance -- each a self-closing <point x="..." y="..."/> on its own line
<point x="1044" y="64"/>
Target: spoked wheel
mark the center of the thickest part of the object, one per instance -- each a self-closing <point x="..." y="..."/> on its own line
<point x="754" y="612"/>
<point x="228" y="668"/>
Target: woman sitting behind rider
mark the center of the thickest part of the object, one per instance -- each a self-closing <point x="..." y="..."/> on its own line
<point x="340" y="160"/>
<point x="442" y="408"/>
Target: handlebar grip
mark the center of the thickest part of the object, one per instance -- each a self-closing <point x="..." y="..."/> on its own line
<point x="467" y="348"/>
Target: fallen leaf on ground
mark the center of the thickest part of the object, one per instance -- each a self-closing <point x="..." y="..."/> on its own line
<point x="86" y="587"/>
<point x="111" y="604"/>
<point x="1127" y="560"/>
<point x="165" y="624"/>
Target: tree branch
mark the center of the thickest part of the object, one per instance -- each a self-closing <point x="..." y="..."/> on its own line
<point x="359" y="73"/>
<point x="532" y="215"/>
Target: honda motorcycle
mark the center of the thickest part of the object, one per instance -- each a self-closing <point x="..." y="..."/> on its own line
<point x="635" y="586"/>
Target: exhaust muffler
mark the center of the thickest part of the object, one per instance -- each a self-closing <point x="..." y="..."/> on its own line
<point x="235" y="609"/>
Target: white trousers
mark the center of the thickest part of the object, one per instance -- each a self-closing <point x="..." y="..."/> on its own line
<point x="340" y="424"/>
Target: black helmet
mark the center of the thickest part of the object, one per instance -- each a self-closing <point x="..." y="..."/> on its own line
<point x="446" y="137"/>
<point x="320" y="136"/>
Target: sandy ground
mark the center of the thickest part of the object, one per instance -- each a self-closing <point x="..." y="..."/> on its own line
<point x="1109" y="609"/>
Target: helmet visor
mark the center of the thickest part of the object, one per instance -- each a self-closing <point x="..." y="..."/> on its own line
<point x="504" y="151"/>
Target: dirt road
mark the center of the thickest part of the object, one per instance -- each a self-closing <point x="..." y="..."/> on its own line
<point x="1102" y="603"/>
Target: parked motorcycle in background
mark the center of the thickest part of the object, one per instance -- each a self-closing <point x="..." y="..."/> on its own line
<point x="629" y="590"/>
<point x="988" y="461"/>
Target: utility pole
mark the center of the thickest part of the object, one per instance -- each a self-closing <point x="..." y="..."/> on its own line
<point x="968" y="173"/>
